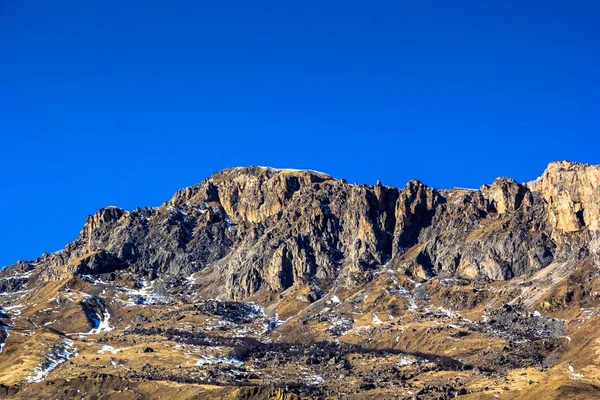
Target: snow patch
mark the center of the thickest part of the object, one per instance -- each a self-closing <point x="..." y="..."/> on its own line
<point x="272" y="323"/>
<point x="5" y="329"/>
<point x="103" y="324"/>
<point x="57" y="355"/>
<point x="95" y="281"/>
<point x="15" y="310"/>
<point x="17" y="276"/>
<point x="573" y="374"/>
<point x="109" y="349"/>
<point x="144" y="296"/>
<point x="211" y="360"/>
<point x="406" y="361"/>
<point x="98" y="316"/>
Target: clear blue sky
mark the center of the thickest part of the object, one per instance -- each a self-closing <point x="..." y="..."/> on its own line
<point x="123" y="102"/>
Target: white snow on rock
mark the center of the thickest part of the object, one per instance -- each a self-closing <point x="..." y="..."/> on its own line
<point x="587" y="313"/>
<point x="144" y="296"/>
<point x="57" y="355"/>
<point x="102" y="325"/>
<point x="191" y="280"/>
<point x="94" y="280"/>
<point x="573" y="374"/>
<point x="405" y="361"/>
<point x="312" y="379"/>
<point x="17" y="276"/>
<point x="20" y="293"/>
<point x="446" y="312"/>
<point x="106" y="349"/>
<point x="6" y="329"/>
<point x="15" y="310"/>
<point x="272" y="323"/>
<point x="100" y="322"/>
<point x="210" y="360"/>
<point x="109" y="349"/>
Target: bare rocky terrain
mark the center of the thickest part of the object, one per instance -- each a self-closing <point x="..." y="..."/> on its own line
<point x="259" y="283"/>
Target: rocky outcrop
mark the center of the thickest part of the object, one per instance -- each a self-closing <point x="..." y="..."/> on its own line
<point x="96" y="263"/>
<point x="265" y="283"/>
<point x="572" y="192"/>
<point x="504" y="195"/>
<point x="266" y="230"/>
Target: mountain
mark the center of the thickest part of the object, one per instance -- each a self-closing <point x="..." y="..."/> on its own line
<point x="287" y="284"/>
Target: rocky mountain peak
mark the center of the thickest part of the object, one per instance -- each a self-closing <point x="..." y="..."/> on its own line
<point x="505" y="194"/>
<point x="295" y="271"/>
<point x="103" y="216"/>
<point x="572" y="191"/>
<point x="262" y="229"/>
<point x="249" y="194"/>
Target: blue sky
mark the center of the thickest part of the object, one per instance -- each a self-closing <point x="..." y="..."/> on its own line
<point x="122" y="103"/>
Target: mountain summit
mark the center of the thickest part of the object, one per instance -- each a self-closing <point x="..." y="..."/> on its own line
<point x="279" y="283"/>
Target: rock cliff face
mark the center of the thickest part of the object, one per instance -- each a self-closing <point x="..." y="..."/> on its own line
<point x="571" y="194"/>
<point x="300" y="257"/>
<point x="262" y="229"/>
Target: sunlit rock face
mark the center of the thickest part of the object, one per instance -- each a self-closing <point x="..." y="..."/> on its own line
<point x="572" y="193"/>
<point x="264" y="229"/>
<point x="285" y="258"/>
